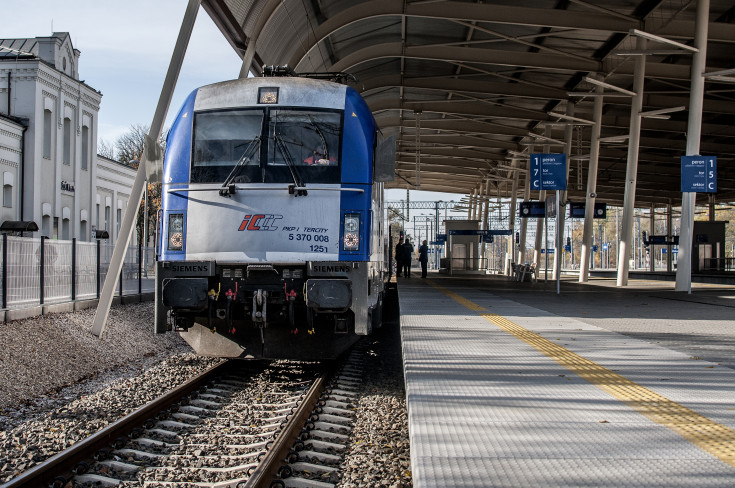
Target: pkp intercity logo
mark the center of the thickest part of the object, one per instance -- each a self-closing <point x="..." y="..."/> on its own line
<point x="259" y="222"/>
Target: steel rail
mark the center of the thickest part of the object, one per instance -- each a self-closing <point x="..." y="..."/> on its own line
<point x="64" y="462"/>
<point x="275" y="457"/>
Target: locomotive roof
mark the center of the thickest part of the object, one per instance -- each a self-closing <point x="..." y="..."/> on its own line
<point x="486" y="79"/>
<point x="293" y="91"/>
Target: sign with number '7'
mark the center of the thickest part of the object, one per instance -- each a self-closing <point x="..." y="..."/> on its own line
<point x="548" y="172"/>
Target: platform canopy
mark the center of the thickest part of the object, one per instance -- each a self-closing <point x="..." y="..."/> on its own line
<point x="482" y="80"/>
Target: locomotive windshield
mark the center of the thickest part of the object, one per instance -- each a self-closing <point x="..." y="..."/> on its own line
<point x="304" y="139"/>
<point x="222" y="140"/>
<point x="294" y="145"/>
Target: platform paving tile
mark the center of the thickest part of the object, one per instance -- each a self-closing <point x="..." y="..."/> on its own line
<point x="487" y="409"/>
<point x="569" y="473"/>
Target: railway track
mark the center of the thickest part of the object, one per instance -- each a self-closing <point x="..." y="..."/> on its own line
<point x="283" y="425"/>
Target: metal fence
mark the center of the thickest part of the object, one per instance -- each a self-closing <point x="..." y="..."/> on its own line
<point x="38" y="271"/>
<point x="719" y="264"/>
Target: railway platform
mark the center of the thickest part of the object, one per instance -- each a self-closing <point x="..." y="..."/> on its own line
<point x="511" y="385"/>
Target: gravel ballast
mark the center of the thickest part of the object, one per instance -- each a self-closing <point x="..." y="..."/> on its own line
<point x="59" y="384"/>
<point x="41" y="355"/>
<point x="379" y="453"/>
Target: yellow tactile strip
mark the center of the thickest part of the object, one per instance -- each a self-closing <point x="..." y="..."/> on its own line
<point x="716" y="439"/>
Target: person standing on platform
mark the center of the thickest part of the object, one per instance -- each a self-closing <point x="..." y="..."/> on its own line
<point x="424" y="257"/>
<point x="407" y="256"/>
<point x="399" y="257"/>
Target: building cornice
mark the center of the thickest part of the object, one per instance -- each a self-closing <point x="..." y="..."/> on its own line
<point x="11" y="164"/>
<point x="12" y="135"/>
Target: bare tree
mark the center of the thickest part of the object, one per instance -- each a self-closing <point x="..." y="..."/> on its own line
<point x="105" y="149"/>
<point x="130" y="147"/>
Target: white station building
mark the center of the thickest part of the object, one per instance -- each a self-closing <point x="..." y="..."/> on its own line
<point x="49" y="167"/>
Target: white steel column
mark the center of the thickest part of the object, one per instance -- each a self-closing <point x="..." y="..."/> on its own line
<point x="136" y="192"/>
<point x="524" y="221"/>
<point x="471" y="205"/>
<point x="562" y="203"/>
<point x="651" y="231"/>
<point x="589" y="210"/>
<point x="694" y="130"/>
<point x="540" y="223"/>
<point x="669" y="236"/>
<point x="512" y="216"/>
<point x="631" y="172"/>
<point x="485" y="212"/>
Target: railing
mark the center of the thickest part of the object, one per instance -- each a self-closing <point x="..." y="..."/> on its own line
<point x="44" y="271"/>
<point x="719" y="264"/>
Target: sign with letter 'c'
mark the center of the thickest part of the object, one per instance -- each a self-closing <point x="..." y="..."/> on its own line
<point x="548" y="171"/>
<point x="699" y="174"/>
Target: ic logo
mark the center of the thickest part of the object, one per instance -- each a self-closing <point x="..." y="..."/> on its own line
<point x="259" y="222"/>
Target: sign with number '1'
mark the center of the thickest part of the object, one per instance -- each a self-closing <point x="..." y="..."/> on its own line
<point x="699" y="174"/>
<point x="548" y="172"/>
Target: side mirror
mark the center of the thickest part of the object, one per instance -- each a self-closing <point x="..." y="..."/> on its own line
<point x="385" y="160"/>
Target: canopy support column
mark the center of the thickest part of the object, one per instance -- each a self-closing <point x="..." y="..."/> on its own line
<point x="524" y="222"/>
<point x="631" y="172"/>
<point x="652" y="231"/>
<point x="562" y="203"/>
<point x="136" y="192"/>
<point x="694" y="131"/>
<point x="589" y="211"/>
<point x="669" y="236"/>
<point x="541" y="222"/>
<point x="512" y="216"/>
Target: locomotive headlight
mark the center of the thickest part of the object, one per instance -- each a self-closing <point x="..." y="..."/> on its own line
<point x="351" y="226"/>
<point x="175" y="232"/>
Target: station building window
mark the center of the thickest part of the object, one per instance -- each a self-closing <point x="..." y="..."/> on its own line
<point x="85" y="146"/>
<point x="8" y="196"/>
<point x="7" y="190"/>
<point x="47" y="134"/>
<point x="67" y="140"/>
<point x="65" y="229"/>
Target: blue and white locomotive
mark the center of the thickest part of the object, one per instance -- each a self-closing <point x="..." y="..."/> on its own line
<point x="272" y="230"/>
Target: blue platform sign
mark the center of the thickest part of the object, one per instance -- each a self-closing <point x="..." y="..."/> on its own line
<point x="548" y="171"/>
<point x="568" y="248"/>
<point x="699" y="174"/>
<point x="604" y="247"/>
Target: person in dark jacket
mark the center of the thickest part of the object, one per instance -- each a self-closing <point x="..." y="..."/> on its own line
<point x="424" y="257"/>
<point x="407" y="256"/>
<point x="399" y="257"/>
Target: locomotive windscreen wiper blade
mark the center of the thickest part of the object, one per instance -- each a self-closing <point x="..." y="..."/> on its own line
<point x="321" y="136"/>
<point x="297" y="181"/>
<point x="228" y="189"/>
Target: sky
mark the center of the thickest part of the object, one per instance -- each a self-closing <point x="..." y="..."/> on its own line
<point x="126" y="48"/>
<point x="125" y="51"/>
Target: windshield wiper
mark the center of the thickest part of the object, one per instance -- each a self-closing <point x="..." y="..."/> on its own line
<point x="297" y="181"/>
<point x="228" y="188"/>
<point x="321" y="136"/>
